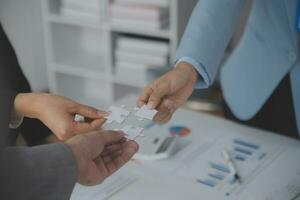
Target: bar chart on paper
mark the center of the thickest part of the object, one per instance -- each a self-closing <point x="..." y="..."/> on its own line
<point x="249" y="156"/>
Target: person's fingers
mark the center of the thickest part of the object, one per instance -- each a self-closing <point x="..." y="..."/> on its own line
<point x="162" y="113"/>
<point x="106" y="162"/>
<point x="112" y="156"/>
<point x="97" y="123"/>
<point x="102" y="169"/>
<point x="172" y="107"/>
<point x="166" y="119"/>
<point x="111" y="137"/>
<point x="164" y="110"/>
<point x="129" y="148"/>
<point x="144" y="97"/>
<point x="118" y="147"/>
<point x="115" y="163"/>
<point x="121" y="141"/>
<point x="89" y="112"/>
<point x="111" y="149"/>
<point x="83" y="127"/>
<point x="96" y="141"/>
<point x="160" y="90"/>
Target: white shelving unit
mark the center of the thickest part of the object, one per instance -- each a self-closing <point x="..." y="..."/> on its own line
<point x="80" y="52"/>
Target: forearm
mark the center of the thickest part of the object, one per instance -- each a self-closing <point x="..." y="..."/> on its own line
<point x="208" y="33"/>
<point x="29" y="105"/>
<point x="25" y="105"/>
<point x="33" y="130"/>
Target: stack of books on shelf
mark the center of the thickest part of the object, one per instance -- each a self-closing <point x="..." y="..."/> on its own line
<point x="87" y="9"/>
<point x="141" y="14"/>
<point x="135" y="57"/>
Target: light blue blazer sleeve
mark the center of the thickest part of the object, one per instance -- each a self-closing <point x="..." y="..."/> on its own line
<point x="207" y="35"/>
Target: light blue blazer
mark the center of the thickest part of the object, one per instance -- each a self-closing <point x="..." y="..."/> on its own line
<point x="268" y="50"/>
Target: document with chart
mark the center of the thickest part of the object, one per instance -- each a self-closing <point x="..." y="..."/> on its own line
<point x="268" y="164"/>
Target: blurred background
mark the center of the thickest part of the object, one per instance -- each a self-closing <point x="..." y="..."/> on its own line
<point x="98" y="51"/>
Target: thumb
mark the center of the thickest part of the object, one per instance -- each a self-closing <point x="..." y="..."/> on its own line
<point x="160" y="90"/>
<point x="89" y="112"/>
<point x="84" y="127"/>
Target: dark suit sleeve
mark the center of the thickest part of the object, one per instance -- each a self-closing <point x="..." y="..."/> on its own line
<point x="13" y="78"/>
<point x="34" y="132"/>
<point x="10" y="85"/>
<point x="42" y="172"/>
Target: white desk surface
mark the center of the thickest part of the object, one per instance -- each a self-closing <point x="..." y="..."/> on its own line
<point x="276" y="176"/>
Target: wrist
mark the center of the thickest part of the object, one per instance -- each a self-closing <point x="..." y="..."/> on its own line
<point x="188" y="69"/>
<point x="25" y="105"/>
<point x="76" y="151"/>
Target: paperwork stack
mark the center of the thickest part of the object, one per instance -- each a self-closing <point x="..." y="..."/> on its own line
<point x="88" y="9"/>
<point x="143" y="14"/>
<point x="136" y="56"/>
<point x="159" y="3"/>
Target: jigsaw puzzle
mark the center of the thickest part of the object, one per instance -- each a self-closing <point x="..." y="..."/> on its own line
<point x="132" y="132"/>
<point x="78" y="118"/>
<point x="117" y="114"/>
<point x="145" y="113"/>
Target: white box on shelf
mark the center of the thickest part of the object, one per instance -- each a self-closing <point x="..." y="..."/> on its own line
<point x="77" y="46"/>
<point x="82" y="60"/>
<point x="160" y="3"/>
<point x="149" y="13"/>
<point x="138" y="58"/>
<point x="68" y="12"/>
<point x="132" y="73"/>
<point x="146" y="46"/>
<point x="122" y="64"/>
<point x="83" y="6"/>
<point x="88" y="2"/>
<point x="140" y="23"/>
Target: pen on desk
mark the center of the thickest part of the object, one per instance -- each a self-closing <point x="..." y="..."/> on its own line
<point x="231" y="165"/>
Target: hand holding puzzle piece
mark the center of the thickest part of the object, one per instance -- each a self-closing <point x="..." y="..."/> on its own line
<point x="119" y="114"/>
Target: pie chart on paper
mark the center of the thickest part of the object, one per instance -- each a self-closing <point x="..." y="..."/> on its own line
<point x="181" y="131"/>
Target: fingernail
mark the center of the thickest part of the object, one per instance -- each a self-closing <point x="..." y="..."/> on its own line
<point x="132" y="151"/>
<point x="102" y="113"/>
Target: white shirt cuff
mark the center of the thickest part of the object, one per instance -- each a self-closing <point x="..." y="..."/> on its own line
<point x="15" y="121"/>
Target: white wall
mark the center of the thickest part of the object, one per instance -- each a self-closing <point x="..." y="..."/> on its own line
<point x="22" y="22"/>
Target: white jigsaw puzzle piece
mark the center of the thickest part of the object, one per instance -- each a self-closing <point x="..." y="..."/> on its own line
<point x="132" y="132"/>
<point x="145" y="113"/>
<point x="117" y="114"/>
<point x="78" y="118"/>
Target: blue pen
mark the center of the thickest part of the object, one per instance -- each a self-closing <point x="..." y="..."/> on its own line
<point x="231" y="165"/>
